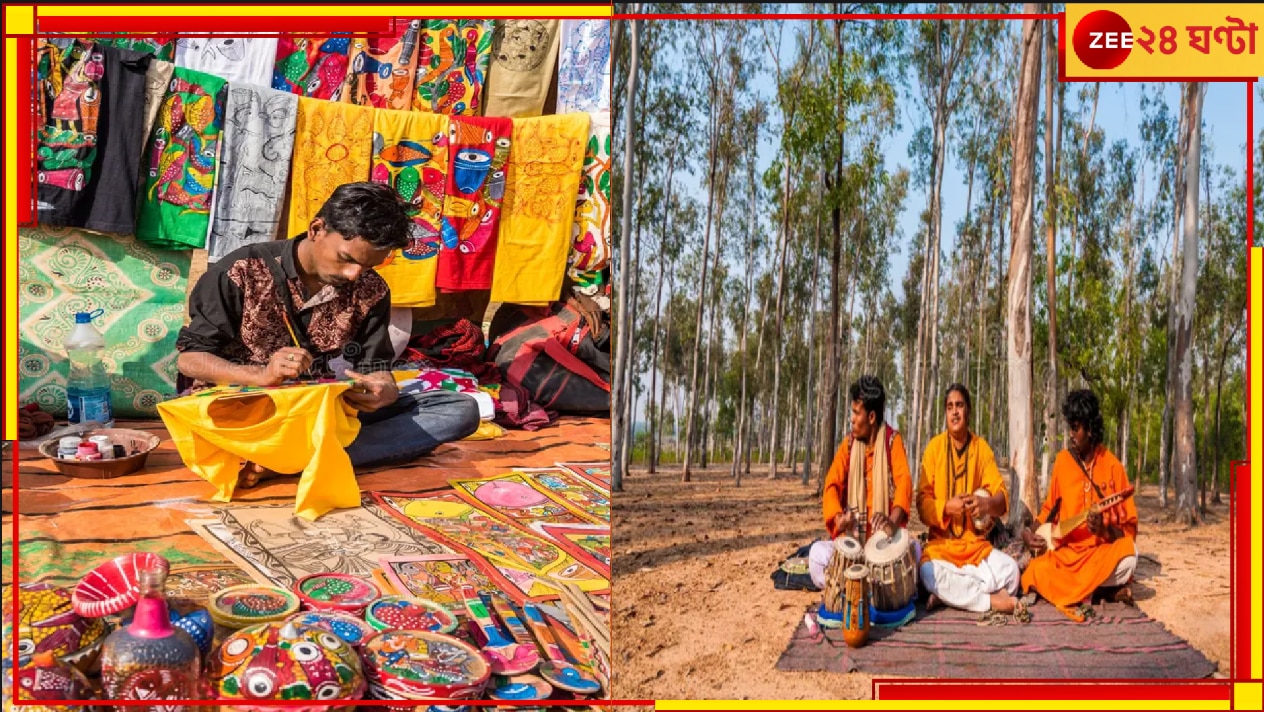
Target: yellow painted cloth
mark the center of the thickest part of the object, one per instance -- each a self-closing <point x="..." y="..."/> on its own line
<point x="944" y="475"/>
<point x="411" y="154"/>
<point x="287" y="430"/>
<point x="538" y="214"/>
<point x="332" y="146"/>
<point x="487" y="430"/>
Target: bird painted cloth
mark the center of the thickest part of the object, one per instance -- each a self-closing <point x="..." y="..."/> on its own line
<point x="311" y="66"/>
<point x="181" y="161"/>
<point x="590" y="242"/>
<point x="410" y="152"/>
<point x="479" y="149"/>
<point x="452" y="67"/>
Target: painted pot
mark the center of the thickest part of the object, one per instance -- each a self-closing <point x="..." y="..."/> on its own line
<point x="415" y="665"/>
<point x="43" y="677"/>
<point x="274" y="662"/>
<point x="407" y="613"/>
<point x="48" y="623"/>
<point x="336" y="592"/>
<point x="238" y="607"/>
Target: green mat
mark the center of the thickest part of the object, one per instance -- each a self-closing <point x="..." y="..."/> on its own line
<point x="142" y="292"/>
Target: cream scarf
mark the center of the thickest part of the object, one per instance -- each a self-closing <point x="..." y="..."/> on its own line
<point x="856" y="479"/>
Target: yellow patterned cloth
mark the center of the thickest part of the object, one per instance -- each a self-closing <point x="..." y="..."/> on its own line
<point x="412" y="155"/>
<point x="538" y="214"/>
<point x="332" y="145"/>
<point x="304" y="428"/>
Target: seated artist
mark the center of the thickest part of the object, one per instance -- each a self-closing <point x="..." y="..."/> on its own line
<point x="959" y="567"/>
<point x="1102" y="552"/>
<point x="885" y="487"/>
<point x="241" y="332"/>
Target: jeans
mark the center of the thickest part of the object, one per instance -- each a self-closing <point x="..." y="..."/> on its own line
<point x="412" y="426"/>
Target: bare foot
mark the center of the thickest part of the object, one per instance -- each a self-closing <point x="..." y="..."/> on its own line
<point x="1124" y="596"/>
<point x="1003" y="602"/>
<point x="932" y="603"/>
<point x="252" y="474"/>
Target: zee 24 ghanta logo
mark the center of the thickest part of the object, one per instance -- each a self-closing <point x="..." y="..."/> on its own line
<point x="1103" y="39"/>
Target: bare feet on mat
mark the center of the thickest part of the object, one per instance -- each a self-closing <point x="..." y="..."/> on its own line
<point x="1124" y="596"/>
<point x="252" y="474"/>
<point x="932" y="603"/>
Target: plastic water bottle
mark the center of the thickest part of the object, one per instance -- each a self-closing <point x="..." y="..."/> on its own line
<point x="88" y="388"/>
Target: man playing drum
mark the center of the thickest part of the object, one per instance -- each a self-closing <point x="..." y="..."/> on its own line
<point x="879" y="497"/>
<point x="1103" y="552"/>
<point x="959" y="567"/>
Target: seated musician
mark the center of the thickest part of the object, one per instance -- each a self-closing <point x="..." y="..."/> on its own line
<point x="959" y="567"/>
<point x="1102" y="552"/>
<point x="879" y="496"/>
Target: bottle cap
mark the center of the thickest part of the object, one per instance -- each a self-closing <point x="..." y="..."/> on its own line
<point x="87" y="317"/>
<point x="87" y="448"/>
<point x="69" y="442"/>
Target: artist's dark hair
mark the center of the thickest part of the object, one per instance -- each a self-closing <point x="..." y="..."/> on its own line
<point x="869" y="391"/>
<point x="372" y="211"/>
<point x="1082" y="408"/>
<point x="965" y="395"/>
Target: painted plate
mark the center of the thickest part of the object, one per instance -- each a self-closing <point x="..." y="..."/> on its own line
<point x="407" y="613"/>
<point x="241" y="606"/>
<point x="352" y="630"/>
<point x="336" y="592"/>
<point x="414" y="664"/>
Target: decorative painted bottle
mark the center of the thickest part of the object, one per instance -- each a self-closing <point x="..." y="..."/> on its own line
<point x="150" y="659"/>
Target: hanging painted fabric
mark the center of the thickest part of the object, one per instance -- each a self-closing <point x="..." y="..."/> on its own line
<point x="311" y="66"/>
<point x="302" y="428"/>
<point x="241" y="60"/>
<point x="471" y="211"/>
<point x="161" y="46"/>
<point x="542" y="181"/>
<point x="332" y="146"/>
<point x="157" y="79"/>
<point x="180" y="162"/>
<point x="524" y="53"/>
<point x="452" y="67"/>
<point x="254" y="167"/>
<point x="91" y="136"/>
<point x="590" y="243"/>
<point x="381" y="69"/>
<point x="410" y="152"/>
<point x="583" y="66"/>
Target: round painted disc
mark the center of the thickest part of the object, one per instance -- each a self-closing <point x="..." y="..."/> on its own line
<point x="336" y="591"/>
<point x="344" y="625"/>
<point x="568" y="677"/>
<point x="407" y="613"/>
<point x="240" y="606"/>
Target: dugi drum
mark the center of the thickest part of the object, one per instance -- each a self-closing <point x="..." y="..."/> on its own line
<point x="847" y="551"/>
<point x="856" y="607"/>
<point x="892" y="570"/>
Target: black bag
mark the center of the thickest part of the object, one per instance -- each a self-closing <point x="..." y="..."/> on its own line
<point x="552" y="354"/>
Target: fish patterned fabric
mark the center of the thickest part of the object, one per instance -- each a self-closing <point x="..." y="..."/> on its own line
<point x="542" y="181"/>
<point x="524" y="55"/>
<point x="590" y="244"/>
<point x="254" y="167"/>
<point x="161" y="46"/>
<point x="90" y="134"/>
<point x="181" y="160"/>
<point x="410" y="152"/>
<point x="479" y="150"/>
<point x="583" y="66"/>
<point x="332" y="145"/>
<point x="241" y="60"/>
<point x="452" y="67"/>
<point x="382" y="68"/>
<point x="141" y="291"/>
<point x="312" y="66"/>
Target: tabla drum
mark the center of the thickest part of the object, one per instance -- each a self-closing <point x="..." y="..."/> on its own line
<point x="856" y="607"/>
<point x="847" y="551"/>
<point x="892" y="570"/>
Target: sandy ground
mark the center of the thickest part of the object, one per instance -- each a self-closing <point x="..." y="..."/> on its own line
<point x="696" y="614"/>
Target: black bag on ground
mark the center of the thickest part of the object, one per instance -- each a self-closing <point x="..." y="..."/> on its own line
<point x="553" y="354"/>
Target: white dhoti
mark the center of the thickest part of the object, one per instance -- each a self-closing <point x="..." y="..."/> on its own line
<point x="971" y="587"/>
<point x="822" y="551"/>
<point x="1123" y="571"/>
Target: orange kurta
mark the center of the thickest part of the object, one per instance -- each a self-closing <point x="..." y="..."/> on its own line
<point x="835" y="495"/>
<point x="1067" y="575"/>
<point x="945" y="475"/>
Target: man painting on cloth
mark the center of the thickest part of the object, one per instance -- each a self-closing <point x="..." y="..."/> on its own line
<point x="243" y="332"/>
<point x="959" y="567"/>
<point x="868" y="486"/>
<point x="1103" y="552"/>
